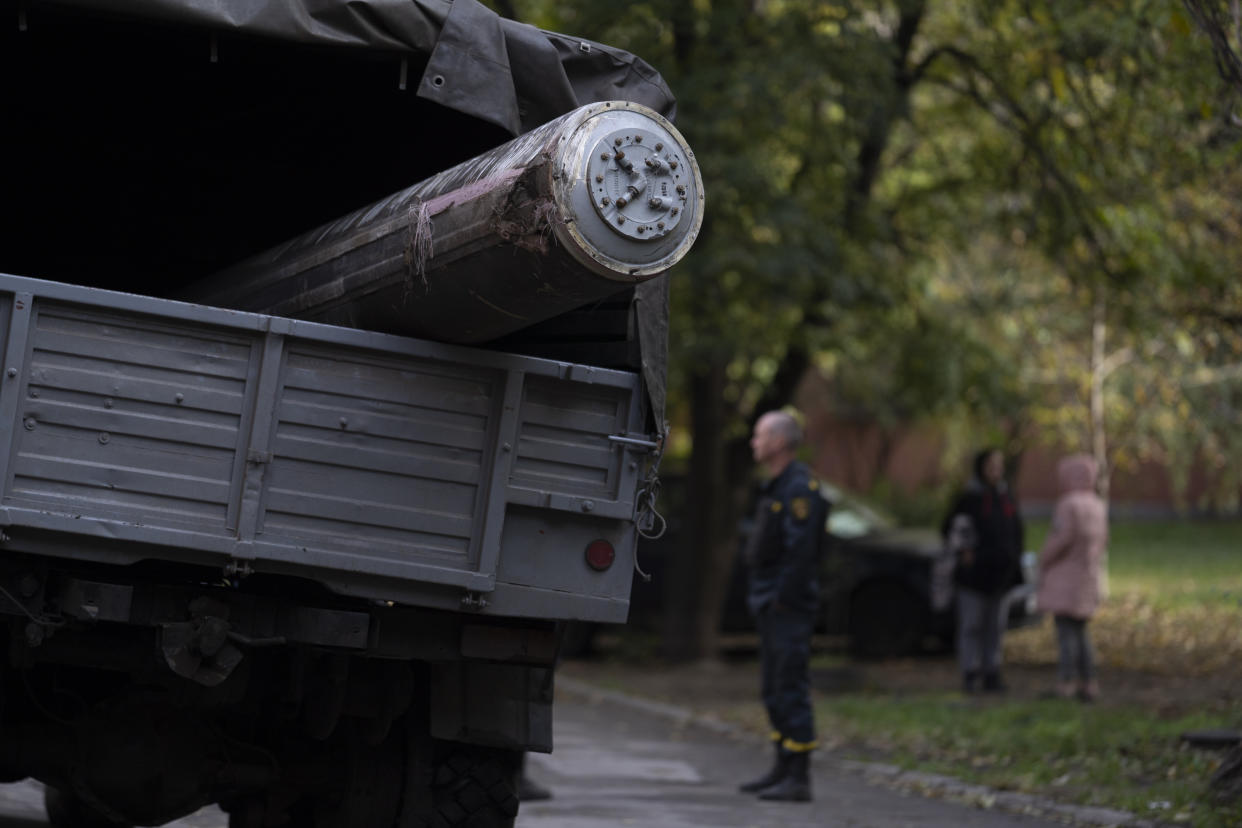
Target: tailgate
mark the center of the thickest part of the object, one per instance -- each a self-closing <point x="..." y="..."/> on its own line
<point x="380" y="466"/>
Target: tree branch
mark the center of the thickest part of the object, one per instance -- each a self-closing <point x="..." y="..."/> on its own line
<point x="1213" y="20"/>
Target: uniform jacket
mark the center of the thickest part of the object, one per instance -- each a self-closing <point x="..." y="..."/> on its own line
<point x="1072" y="561"/>
<point x="784" y="549"/>
<point x="991" y="563"/>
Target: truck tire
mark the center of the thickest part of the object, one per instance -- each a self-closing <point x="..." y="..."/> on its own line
<point x="475" y="788"/>
<point x="64" y="810"/>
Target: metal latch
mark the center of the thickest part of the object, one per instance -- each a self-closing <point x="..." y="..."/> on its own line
<point x="625" y="440"/>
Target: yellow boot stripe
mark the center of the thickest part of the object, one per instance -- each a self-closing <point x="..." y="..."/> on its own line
<point x="799" y="747"/>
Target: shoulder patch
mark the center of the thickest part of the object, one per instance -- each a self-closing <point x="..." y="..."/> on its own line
<point x="813" y="485"/>
<point x="800" y="507"/>
<point x="777" y="506"/>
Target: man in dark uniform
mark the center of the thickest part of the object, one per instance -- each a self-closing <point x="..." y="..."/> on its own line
<point x="783" y="555"/>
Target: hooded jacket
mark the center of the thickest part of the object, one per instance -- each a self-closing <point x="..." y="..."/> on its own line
<point x="985" y="531"/>
<point x="1072" y="561"/>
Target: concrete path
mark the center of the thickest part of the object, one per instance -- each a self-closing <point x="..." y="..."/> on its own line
<point x="620" y="763"/>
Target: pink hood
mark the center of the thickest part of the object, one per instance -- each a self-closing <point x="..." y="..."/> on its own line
<point x="1077" y="473"/>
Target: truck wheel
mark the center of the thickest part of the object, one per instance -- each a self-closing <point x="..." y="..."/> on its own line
<point x="886" y="620"/>
<point x="64" y="810"/>
<point x="475" y="787"/>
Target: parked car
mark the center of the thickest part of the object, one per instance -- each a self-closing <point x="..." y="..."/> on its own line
<point x="885" y="586"/>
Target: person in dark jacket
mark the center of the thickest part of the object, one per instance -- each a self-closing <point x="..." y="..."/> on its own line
<point x="985" y="531"/>
<point x="783" y="556"/>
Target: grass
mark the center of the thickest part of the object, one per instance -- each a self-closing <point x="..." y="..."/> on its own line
<point x="1169" y="642"/>
<point x="1172" y="564"/>
<point x="1175" y="610"/>
<point x="1179" y="564"/>
<point x="1119" y="757"/>
<point x="1175" y="602"/>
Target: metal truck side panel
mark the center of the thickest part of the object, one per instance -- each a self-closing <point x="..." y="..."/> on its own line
<point x="388" y="457"/>
<point x="380" y="466"/>
<point x="130" y="420"/>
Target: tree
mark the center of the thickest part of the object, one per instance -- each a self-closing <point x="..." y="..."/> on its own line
<point x="790" y="159"/>
<point x="1221" y="21"/>
<point x="1013" y="216"/>
<point x="1106" y="156"/>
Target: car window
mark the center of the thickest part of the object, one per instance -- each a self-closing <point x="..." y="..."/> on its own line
<point x="851" y="517"/>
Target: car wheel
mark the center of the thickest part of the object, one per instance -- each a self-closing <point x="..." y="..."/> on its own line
<point x="886" y="619"/>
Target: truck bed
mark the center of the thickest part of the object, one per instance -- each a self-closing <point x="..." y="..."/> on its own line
<point x="382" y="467"/>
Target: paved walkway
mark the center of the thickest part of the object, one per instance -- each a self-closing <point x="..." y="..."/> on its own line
<point x="622" y="761"/>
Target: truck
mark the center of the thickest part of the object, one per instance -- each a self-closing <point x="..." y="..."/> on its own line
<point x="292" y="526"/>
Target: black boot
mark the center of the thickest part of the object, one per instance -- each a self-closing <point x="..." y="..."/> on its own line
<point x="993" y="683"/>
<point x="796" y="786"/>
<point x="970" y="682"/>
<point x="776" y="774"/>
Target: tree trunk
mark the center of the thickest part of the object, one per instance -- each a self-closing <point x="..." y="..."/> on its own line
<point x="700" y="573"/>
<point x="1099" y="436"/>
<point x="719" y="470"/>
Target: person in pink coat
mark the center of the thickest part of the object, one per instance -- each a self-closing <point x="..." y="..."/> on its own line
<point x="1072" y="573"/>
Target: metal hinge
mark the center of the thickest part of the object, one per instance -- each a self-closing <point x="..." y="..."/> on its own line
<point x="240" y="568"/>
<point x="473" y="601"/>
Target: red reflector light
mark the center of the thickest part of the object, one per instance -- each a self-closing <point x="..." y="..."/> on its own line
<point x="600" y="555"/>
